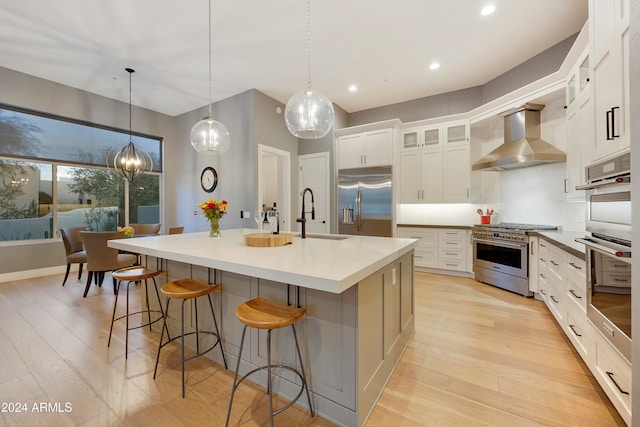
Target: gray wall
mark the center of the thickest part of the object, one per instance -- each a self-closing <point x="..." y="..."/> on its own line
<point x="26" y="91"/>
<point x="307" y="146"/>
<point x="464" y="100"/>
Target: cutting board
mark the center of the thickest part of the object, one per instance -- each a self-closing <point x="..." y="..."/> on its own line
<point x="266" y="240"/>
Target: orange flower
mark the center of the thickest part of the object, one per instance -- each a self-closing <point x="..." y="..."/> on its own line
<point x="213" y="209"/>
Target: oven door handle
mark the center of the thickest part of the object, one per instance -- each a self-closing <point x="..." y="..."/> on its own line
<point x="605" y="249"/>
<point x="617" y="180"/>
<point x="501" y="243"/>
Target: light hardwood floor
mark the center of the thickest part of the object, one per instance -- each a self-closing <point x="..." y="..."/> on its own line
<point x="481" y="356"/>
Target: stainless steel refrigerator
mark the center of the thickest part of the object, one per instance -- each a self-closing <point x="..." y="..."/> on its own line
<point x="365" y="202"/>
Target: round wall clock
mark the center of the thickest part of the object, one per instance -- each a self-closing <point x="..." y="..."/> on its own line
<point x="209" y="179"/>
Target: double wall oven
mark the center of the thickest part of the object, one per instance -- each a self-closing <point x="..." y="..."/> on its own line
<point x="501" y="255"/>
<point x="608" y="250"/>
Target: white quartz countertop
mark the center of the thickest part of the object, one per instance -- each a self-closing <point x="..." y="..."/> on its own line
<point x="316" y="263"/>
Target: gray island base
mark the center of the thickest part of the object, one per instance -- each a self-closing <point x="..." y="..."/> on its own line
<point x="358" y="292"/>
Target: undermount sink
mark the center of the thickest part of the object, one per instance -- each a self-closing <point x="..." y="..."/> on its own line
<point x="325" y="236"/>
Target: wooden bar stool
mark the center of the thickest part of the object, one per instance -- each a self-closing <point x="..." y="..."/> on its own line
<point x="262" y="314"/>
<point x="187" y="289"/>
<point x="134" y="275"/>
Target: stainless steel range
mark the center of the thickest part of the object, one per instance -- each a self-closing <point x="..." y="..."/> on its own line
<point x="501" y="255"/>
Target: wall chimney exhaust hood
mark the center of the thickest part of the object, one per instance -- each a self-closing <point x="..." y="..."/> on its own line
<point x="522" y="145"/>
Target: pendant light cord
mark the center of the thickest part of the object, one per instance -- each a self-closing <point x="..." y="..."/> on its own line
<point x="210" y="114"/>
<point x="308" y="44"/>
<point x="130" y="71"/>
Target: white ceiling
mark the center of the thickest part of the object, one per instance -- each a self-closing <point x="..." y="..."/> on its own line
<point x="384" y="47"/>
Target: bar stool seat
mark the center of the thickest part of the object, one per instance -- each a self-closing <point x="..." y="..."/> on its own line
<point x="187" y="289"/>
<point x="261" y="313"/>
<point x="135" y="275"/>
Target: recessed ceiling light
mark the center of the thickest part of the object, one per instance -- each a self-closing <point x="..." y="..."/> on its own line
<point x="434" y="66"/>
<point x="353" y="88"/>
<point x="488" y="10"/>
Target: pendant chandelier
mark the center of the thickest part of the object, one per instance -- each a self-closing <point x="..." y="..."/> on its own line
<point x="309" y="114"/>
<point x="209" y="136"/>
<point x="130" y="161"/>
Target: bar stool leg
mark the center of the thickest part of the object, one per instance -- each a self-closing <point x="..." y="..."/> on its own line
<point x="146" y="294"/>
<point x="304" y="376"/>
<point x="235" y="376"/>
<point x="164" y="326"/>
<point x="215" y="324"/>
<point x="113" y="317"/>
<point x="195" y="306"/>
<point x="269" y="386"/>
<point x="182" y="341"/>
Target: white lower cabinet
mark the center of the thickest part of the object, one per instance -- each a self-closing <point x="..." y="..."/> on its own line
<point x="613" y="373"/>
<point x="446" y="249"/>
<point x="562" y="285"/>
<point x="426" y="253"/>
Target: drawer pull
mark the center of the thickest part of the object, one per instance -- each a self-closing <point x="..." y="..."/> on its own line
<point x="625" y="266"/>
<point x="610" y="374"/>
<point x="543" y="276"/>
<point x="575" y="266"/>
<point x="615" y="279"/>
<point x="554" y="300"/>
<point x="451" y="265"/>
<point x="449" y="253"/>
<point x="543" y="292"/>
<point x="574" y="331"/>
<point x="418" y="256"/>
<point x="574" y="294"/>
<point x="554" y="263"/>
<point x="542" y="259"/>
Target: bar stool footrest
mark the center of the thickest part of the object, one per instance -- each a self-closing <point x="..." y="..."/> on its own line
<point x="265" y="369"/>
<point x="142" y="312"/>
<point x="201" y="353"/>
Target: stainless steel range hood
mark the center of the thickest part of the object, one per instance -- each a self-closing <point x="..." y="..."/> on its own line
<point x="522" y="145"/>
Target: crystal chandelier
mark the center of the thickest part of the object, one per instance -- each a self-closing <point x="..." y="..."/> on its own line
<point x="130" y="161"/>
<point x="309" y="114"/>
<point x="209" y="136"/>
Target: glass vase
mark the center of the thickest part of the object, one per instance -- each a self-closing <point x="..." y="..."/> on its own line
<point x="214" y="231"/>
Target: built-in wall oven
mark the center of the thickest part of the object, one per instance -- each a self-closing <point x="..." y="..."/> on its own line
<point x="608" y="250"/>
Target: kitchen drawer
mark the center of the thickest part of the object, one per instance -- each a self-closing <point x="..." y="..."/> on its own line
<point x="555" y="300"/>
<point x="579" y="332"/>
<point x="450" y="243"/>
<point x="452" y="264"/>
<point x="615" y="266"/>
<point x="425" y="258"/>
<point x="452" y="254"/>
<point x="427" y="237"/>
<point x="577" y="292"/>
<point x="614" y="375"/>
<point x="577" y="266"/>
<point x="450" y="233"/>
<point x="557" y="262"/>
<point x="616" y="280"/>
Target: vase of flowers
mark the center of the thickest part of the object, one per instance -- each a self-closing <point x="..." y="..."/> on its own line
<point x="214" y="210"/>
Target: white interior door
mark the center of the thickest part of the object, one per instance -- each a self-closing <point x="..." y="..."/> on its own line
<point x="314" y="173"/>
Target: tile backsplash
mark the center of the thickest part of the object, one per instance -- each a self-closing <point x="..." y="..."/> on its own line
<point x="532" y="195"/>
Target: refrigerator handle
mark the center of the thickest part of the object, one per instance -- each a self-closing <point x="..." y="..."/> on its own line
<point x="358" y="210"/>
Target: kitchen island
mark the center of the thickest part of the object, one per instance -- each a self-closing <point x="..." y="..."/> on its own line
<point x="358" y="292"/>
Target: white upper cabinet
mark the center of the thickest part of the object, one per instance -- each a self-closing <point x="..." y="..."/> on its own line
<point x="580" y="126"/>
<point x="435" y="164"/>
<point x="371" y="148"/>
<point x="609" y="61"/>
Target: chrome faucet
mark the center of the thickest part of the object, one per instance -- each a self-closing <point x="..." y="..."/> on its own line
<point x="303" y="220"/>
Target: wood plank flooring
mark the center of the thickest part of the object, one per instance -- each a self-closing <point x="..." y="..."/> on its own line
<point x="481" y="356"/>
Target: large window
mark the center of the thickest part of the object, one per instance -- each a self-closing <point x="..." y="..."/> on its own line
<point x="53" y="174"/>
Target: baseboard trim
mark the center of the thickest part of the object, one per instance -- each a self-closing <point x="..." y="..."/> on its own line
<point x="39" y="272"/>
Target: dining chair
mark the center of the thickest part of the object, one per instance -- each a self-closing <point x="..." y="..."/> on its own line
<point x="101" y="258"/>
<point x="146" y="229"/>
<point x="176" y="230"/>
<point x="74" y="250"/>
